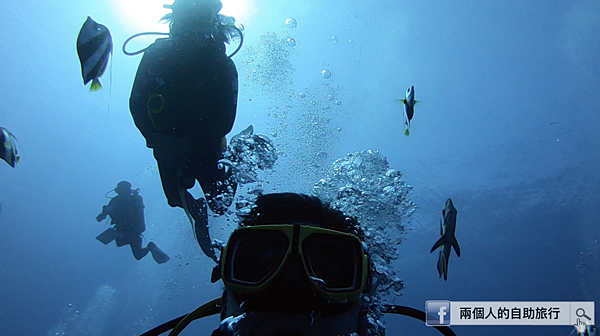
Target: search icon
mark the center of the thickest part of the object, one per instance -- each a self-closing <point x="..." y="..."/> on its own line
<point x="580" y="312"/>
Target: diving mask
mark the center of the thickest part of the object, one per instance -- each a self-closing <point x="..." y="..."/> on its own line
<point x="334" y="261"/>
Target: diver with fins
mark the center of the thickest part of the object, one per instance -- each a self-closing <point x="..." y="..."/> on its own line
<point x="184" y="101"/>
<point x="126" y="211"/>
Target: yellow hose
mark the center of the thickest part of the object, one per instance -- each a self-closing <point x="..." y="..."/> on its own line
<point x="207" y="309"/>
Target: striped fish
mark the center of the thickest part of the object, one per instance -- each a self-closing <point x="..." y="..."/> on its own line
<point x="94" y="46"/>
<point x="8" y="149"/>
<point x="409" y="108"/>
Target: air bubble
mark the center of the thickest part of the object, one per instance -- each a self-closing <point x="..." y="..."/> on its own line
<point x="337" y="102"/>
<point x="334" y="39"/>
<point x="326" y="74"/>
<point x="291" y="23"/>
<point x="302" y="95"/>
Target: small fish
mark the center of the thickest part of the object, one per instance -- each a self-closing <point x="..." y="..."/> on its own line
<point x="590" y="330"/>
<point x="94" y="46"/>
<point x="8" y="149"/>
<point x="409" y="108"/>
<point x="447" y="229"/>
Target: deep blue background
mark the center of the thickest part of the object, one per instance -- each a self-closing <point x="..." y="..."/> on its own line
<point x="507" y="126"/>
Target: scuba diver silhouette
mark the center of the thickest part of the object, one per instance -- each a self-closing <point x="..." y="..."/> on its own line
<point x="184" y="101"/>
<point x="126" y="211"/>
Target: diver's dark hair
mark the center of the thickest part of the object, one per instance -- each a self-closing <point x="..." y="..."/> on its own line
<point x="222" y="29"/>
<point x="292" y="208"/>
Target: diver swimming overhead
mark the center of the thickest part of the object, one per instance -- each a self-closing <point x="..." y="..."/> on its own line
<point x="184" y="102"/>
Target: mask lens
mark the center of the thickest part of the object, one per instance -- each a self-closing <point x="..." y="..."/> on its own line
<point x="257" y="255"/>
<point x="336" y="260"/>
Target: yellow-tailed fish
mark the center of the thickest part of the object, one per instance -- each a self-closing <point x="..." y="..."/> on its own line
<point x="94" y="46"/>
<point x="409" y="108"/>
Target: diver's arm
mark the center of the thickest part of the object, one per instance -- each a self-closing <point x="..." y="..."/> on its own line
<point x="140" y="205"/>
<point x="102" y="215"/>
<point x="143" y="86"/>
<point x="225" y="96"/>
<point x="106" y="209"/>
<point x="142" y="121"/>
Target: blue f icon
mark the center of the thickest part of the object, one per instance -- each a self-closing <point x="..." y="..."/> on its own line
<point x="437" y="313"/>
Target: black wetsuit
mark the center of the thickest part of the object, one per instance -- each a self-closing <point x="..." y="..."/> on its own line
<point x="127" y="214"/>
<point x="187" y="91"/>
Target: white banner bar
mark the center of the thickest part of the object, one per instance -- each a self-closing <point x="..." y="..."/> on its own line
<point x="509" y="313"/>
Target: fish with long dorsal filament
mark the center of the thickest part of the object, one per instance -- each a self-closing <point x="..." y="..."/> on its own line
<point x="94" y="47"/>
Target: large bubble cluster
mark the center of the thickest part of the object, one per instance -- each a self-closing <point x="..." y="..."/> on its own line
<point x="248" y="154"/>
<point x="362" y="185"/>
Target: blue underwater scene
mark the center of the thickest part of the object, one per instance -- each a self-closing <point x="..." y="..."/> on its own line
<point x="506" y="124"/>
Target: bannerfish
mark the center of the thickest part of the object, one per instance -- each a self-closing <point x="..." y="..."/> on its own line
<point x="448" y="240"/>
<point x="94" y="46"/>
<point x="8" y="148"/>
<point x="409" y="108"/>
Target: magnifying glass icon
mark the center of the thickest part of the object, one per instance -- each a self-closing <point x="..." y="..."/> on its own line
<point x="580" y="312"/>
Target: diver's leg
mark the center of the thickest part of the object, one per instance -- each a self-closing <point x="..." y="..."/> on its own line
<point x="170" y="184"/>
<point x="159" y="256"/>
<point x="136" y="247"/>
<point x="218" y="184"/>
<point x="199" y="213"/>
<point x="175" y="187"/>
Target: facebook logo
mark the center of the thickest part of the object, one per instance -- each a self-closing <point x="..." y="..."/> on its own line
<point x="437" y="313"/>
